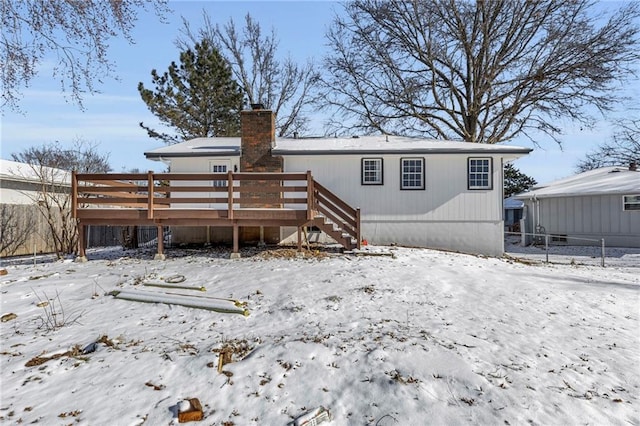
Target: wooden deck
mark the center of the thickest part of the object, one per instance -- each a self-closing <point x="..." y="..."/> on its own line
<point x="212" y="199"/>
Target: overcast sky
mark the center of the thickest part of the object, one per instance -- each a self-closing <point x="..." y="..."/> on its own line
<point x="111" y="118"/>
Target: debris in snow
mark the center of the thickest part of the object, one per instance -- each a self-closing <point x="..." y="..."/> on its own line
<point x="239" y="348"/>
<point x="183" y="406"/>
<point x="312" y="418"/>
<point x="175" y="279"/>
<point x="190" y="410"/>
<point x="183" y="300"/>
<point x="365" y="252"/>
<point x="3" y="272"/>
<point x="8" y="317"/>
<point x="168" y="285"/>
<point x="91" y="347"/>
<point x="39" y="360"/>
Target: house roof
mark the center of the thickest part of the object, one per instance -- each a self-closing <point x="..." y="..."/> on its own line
<point x="512" y="203"/>
<point x="381" y="144"/>
<point x="198" y="147"/>
<point x="606" y="180"/>
<point x="22" y="172"/>
<point x="364" y="145"/>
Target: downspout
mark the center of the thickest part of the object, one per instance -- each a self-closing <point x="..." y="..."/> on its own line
<point x="537" y="216"/>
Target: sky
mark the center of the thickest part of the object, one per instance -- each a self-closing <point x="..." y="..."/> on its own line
<point x="390" y="336"/>
<point x="111" y="118"/>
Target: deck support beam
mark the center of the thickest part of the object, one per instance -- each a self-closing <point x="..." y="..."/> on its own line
<point x="236" y="251"/>
<point x="82" y="256"/>
<point x="160" y="255"/>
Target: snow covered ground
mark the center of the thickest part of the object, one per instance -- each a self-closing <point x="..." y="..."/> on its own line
<point x="397" y="337"/>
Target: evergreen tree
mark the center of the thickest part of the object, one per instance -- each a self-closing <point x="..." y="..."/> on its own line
<point x="515" y="181"/>
<point x="197" y="98"/>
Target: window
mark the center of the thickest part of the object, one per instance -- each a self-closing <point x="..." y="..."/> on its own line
<point x="219" y="168"/>
<point x="372" y="171"/>
<point x="412" y="173"/>
<point x="479" y="173"/>
<point x="631" y="202"/>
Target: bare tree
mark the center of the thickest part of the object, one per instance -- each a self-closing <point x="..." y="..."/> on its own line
<point x="14" y="228"/>
<point x="622" y="150"/>
<point x="481" y="71"/>
<point x="75" y="34"/>
<point x="51" y="167"/>
<point x="283" y="86"/>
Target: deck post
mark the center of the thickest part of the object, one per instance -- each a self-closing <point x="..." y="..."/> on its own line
<point x="74" y="195"/>
<point x="82" y="256"/>
<point x="150" y="195"/>
<point x="230" y="195"/>
<point x="310" y="190"/>
<point x="358" y="230"/>
<point x="160" y="255"/>
<point x="236" y="252"/>
<point x="300" y="238"/>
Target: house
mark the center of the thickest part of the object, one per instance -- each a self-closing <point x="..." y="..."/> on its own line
<point x="413" y="192"/>
<point x="512" y="213"/>
<point x="583" y="209"/>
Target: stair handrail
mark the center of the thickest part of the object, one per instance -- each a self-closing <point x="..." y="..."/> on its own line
<point x="337" y="210"/>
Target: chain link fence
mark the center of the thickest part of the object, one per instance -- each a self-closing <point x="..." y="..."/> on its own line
<point x="551" y="248"/>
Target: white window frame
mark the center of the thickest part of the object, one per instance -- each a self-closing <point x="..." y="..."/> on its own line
<point x="631" y="203"/>
<point x="474" y="175"/>
<point x="407" y="177"/>
<point x="371" y="171"/>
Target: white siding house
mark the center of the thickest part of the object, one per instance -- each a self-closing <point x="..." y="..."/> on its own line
<point x="412" y="192"/>
<point x="582" y="209"/>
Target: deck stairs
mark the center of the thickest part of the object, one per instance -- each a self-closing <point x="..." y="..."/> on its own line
<point x="336" y="232"/>
<point x="335" y="217"/>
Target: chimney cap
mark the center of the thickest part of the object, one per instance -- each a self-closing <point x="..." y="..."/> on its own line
<point x="257" y="106"/>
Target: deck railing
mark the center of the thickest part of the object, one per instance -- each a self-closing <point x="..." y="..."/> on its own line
<point x="218" y="199"/>
<point x="222" y="192"/>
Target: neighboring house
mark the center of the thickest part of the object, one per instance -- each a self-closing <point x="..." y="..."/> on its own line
<point x="413" y="192"/>
<point x="597" y="204"/>
<point x="512" y="213"/>
<point x="22" y="222"/>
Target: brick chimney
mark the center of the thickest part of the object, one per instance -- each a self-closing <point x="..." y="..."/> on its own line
<point x="258" y="136"/>
<point x="257" y="139"/>
<point x="633" y="166"/>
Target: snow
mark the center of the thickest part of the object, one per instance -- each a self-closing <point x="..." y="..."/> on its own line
<point x="219" y="146"/>
<point x="379" y="144"/>
<point x="602" y="181"/>
<point x="388" y="144"/>
<point x="13" y="170"/>
<point x="387" y="336"/>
